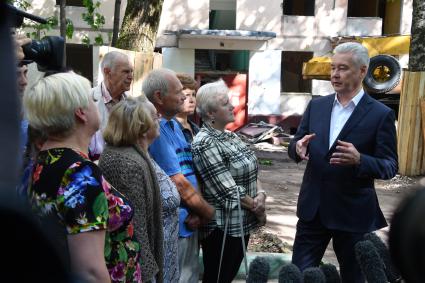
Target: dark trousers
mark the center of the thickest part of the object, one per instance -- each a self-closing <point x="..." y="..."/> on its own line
<point x="232" y="256"/>
<point x="310" y="244"/>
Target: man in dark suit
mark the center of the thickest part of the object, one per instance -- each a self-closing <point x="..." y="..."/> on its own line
<point x="348" y="139"/>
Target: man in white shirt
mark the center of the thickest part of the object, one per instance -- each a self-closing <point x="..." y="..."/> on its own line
<point x="117" y="70"/>
<point x="348" y="139"/>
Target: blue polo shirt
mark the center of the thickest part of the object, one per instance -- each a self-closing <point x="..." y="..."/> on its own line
<point x="172" y="153"/>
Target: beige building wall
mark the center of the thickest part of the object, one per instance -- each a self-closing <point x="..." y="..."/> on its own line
<point x="183" y="14"/>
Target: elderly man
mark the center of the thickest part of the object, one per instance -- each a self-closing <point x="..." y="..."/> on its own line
<point x="348" y="139"/>
<point x="172" y="152"/>
<point x="117" y="70"/>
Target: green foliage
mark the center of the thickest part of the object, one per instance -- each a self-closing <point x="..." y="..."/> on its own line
<point x="20" y="4"/>
<point x="85" y="40"/>
<point x="69" y="28"/>
<point x="94" y="19"/>
<point x="265" y="162"/>
<point x="40" y="30"/>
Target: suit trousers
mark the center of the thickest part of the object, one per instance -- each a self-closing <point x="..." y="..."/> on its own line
<point x="311" y="241"/>
<point x="232" y="256"/>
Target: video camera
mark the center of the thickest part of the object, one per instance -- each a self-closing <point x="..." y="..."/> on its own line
<point x="48" y="52"/>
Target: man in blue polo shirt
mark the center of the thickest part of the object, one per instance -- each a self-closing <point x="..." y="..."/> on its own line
<point x="172" y="152"/>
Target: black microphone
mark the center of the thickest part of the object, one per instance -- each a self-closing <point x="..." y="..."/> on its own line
<point x="290" y="273"/>
<point x="314" y="275"/>
<point x="331" y="273"/>
<point x="370" y="262"/>
<point x="259" y="270"/>
<point x="391" y="271"/>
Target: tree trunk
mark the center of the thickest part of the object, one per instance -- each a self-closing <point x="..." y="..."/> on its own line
<point x="62" y="26"/>
<point x="417" y="43"/>
<point x="140" y="25"/>
<point x="116" y="27"/>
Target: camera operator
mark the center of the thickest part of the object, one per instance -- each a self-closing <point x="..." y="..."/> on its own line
<point x="20" y="40"/>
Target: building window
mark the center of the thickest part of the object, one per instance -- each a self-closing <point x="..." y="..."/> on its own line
<point x="77" y="3"/>
<point x="298" y="7"/>
<point x="366" y="8"/>
<point x="291" y="75"/>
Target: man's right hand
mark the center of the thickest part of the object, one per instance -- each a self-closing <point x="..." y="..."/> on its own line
<point x="302" y="145"/>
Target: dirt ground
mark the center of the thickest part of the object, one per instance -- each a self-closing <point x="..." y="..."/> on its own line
<point x="281" y="178"/>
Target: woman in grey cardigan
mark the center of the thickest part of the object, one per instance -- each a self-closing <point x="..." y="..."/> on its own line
<point x="127" y="166"/>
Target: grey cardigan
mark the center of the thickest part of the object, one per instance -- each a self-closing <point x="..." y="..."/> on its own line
<point x="130" y="171"/>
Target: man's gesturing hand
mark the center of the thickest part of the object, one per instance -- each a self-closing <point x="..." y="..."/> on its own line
<point x="302" y="144"/>
<point x="345" y="154"/>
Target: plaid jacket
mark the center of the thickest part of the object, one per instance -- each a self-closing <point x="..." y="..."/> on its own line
<point x="225" y="166"/>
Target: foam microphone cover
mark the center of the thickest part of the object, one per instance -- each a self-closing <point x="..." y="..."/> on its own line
<point x="391" y="271"/>
<point x="370" y="262"/>
<point x="258" y="270"/>
<point x="331" y="273"/>
<point x="314" y="275"/>
<point x="290" y="273"/>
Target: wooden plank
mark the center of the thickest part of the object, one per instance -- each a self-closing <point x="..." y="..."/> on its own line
<point x="410" y="133"/>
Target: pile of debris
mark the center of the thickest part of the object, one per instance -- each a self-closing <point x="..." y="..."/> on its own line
<point x="254" y="133"/>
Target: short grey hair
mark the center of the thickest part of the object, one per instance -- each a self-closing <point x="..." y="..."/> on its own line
<point x="207" y="97"/>
<point x="360" y="53"/>
<point x="50" y="104"/>
<point x="157" y="80"/>
<point x="110" y="59"/>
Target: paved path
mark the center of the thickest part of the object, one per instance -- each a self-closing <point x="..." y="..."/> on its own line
<point x="282" y="181"/>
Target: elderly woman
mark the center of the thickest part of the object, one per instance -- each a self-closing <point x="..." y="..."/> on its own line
<point x="228" y="171"/>
<point x="88" y="221"/>
<point x="126" y="164"/>
<point x="188" y="128"/>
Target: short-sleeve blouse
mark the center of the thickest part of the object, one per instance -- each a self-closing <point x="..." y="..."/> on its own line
<point x="69" y="195"/>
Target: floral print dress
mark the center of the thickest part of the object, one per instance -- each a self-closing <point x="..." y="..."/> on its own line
<point x="69" y="191"/>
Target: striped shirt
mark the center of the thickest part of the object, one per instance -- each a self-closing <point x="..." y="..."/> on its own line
<point x="226" y="166"/>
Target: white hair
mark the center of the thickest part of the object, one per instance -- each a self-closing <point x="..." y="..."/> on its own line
<point x="360" y="53"/>
<point x="157" y="80"/>
<point x="110" y="59"/>
<point x="207" y="97"/>
<point x="50" y="104"/>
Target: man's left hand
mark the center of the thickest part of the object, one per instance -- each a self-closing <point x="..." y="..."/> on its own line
<point x="345" y="154"/>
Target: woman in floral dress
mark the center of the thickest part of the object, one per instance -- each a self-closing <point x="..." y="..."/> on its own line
<point x="87" y="220"/>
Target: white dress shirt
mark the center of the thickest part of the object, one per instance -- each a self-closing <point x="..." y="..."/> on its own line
<point x="340" y="115"/>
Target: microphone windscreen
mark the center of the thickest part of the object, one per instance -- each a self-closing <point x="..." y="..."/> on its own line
<point x="314" y="275"/>
<point x="258" y="270"/>
<point x="331" y="273"/>
<point x="370" y="262"/>
<point x="393" y="275"/>
<point x="290" y="273"/>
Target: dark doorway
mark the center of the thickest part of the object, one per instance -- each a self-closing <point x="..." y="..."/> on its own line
<point x="291" y="79"/>
<point x="79" y="58"/>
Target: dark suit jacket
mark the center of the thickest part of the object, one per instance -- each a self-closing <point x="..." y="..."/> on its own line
<point x="345" y="196"/>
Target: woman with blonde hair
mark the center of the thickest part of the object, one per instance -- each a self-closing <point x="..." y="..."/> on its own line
<point x="132" y="126"/>
<point x="88" y="221"/>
